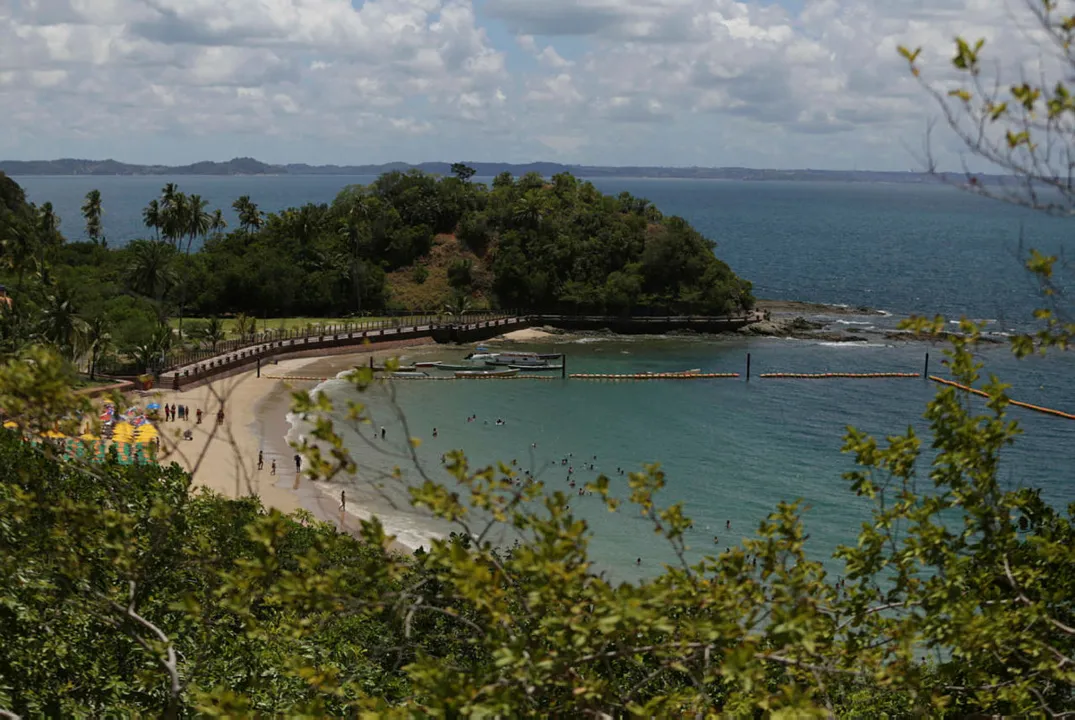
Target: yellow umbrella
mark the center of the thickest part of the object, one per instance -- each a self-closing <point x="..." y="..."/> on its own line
<point x="123" y="433"/>
<point x="53" y="434"/>
<point x="87" y="436"/>
<point x="11" y="425"/>
<point x="147" y="433"/>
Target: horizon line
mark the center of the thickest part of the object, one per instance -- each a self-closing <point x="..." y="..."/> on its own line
<point x="569" y="165"/>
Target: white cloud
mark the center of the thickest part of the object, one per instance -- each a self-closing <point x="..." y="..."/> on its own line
<point x="592" y="81"/>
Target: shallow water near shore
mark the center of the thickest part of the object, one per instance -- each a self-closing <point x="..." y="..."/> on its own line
<point x="730" y="449"/>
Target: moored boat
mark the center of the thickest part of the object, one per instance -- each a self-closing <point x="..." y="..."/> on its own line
<point x="528" y="359"/>
<point x="485" y="373"/>
<point x="429" y="364"/>
<point x="536" y="368"/>
<point x="410" y="374"/>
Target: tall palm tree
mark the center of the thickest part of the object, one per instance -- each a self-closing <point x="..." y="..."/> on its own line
<point x="197" y="221"/>
<point x="98" y="342"/>
<point x="49" y="238"/>
<point x="152" y="217"/>
<point x="217" y="223"/>
<point x="151" y="269"/>
<point x="249" y="215"/>
<point x="175" y="209"/>
<point x="92" y="212"/>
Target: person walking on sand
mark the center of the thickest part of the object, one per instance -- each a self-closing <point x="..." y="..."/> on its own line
<point x="298" y="462"/>
<point x="261" y="459"/>
<point x="273" y="470"/>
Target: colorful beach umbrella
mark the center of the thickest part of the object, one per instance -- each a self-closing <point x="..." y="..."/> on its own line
<point x="153" y="406"/>
<point x="146" y="434"/>
<point x="53" y="434"/>
<point x="123" y="433"/>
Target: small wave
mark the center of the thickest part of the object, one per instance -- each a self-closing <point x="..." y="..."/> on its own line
<point x="588" y="340"/>
<point x="854" y="322"/>
<point x="885" y="313"/>
<point x="406" y="529"/>
<point x="851" y="344"/>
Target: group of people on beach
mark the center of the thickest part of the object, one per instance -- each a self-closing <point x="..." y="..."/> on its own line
<point x="272" y="468"/>
<point x="179" y="412"/>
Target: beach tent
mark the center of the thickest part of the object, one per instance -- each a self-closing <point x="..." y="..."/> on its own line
<point x="146" y="434"/>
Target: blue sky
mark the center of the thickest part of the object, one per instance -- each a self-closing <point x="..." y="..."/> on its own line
<point x="798" y="83"/>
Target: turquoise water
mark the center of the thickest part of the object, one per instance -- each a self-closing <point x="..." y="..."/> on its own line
<point x="731" y="449"/>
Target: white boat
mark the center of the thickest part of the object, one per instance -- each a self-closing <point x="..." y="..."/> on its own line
<point x="410" y="374"/>
<point x="430" y="364"/>
<point x="535" y="368"/>
<point x="519" y="359"/>
<point x="481" y="357"/>
<point x="485" y="373"/>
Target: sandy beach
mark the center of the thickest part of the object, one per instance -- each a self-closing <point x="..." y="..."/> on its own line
<point x="224" y="457"/>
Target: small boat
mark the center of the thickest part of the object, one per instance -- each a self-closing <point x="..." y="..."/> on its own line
<point x="517" y="358"/>
<point x="460" y="366"/>
<point x="482" y="357"/>
<point x="410" y="374"/>
<point x="536" y="368"/>
<point x="430" y="364"/>
<point x="485" y="373"/>
<point x="401" y="368"/>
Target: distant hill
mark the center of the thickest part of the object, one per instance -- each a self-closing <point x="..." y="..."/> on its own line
<point x="250" y="166"/>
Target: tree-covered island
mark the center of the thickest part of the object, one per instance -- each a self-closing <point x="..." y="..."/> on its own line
<point x="407" y="242"/>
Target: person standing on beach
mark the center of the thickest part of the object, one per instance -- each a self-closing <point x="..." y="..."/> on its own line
<point x="298" y="462"/>
<point x="382" y="432"/>
<point x="261" y="460"/>
<point x="273" y="470"/>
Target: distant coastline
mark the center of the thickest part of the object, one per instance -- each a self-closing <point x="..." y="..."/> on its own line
<point x="250" y="166"/>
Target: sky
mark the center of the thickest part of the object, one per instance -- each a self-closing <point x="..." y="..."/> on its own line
<point x="755" y="83"/>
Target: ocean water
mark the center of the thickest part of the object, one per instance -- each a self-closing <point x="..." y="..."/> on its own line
<point x="730" y="449"/>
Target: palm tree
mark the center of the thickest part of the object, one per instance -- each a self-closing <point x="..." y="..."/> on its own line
<point x="249" y="215"/>
<point x="21" y="248"/>
<point x="61" y="325"/>
<point x="48" y="233"/>
<point x="198" y="220"/>
<point x="213" y="331"/>
<point x="152" y="217"/>
<point x="92" y="211"/>
<point x="98" y="342"/>
<point x="150" y="271"/>
<point x="457" y="307"/>
<point x="175" y="209"/>
<point x="217" y="223"/>
<point x="245" y="325"/>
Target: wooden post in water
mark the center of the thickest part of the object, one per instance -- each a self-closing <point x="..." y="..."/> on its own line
<point x="563" y="366"/>
<point x="925" y="370"/>
<point x="371" y="361"/>
<point x="259" y="366"/>
<point x="748" y="367"/>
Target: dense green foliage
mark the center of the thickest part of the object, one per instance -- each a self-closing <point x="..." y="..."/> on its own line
<point x="408" y="241"/>
<point x="122" y="593"/>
